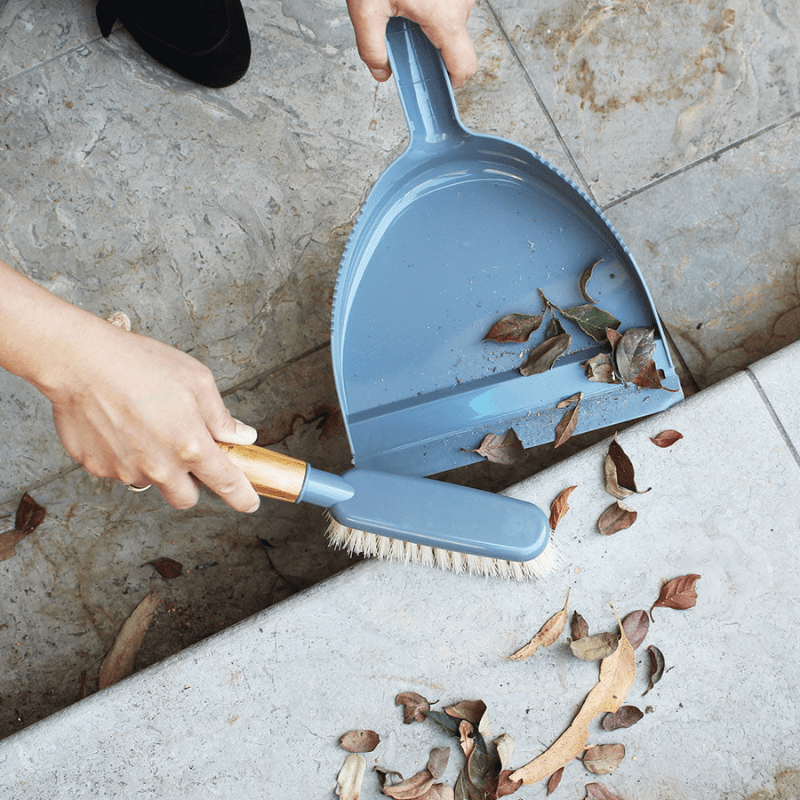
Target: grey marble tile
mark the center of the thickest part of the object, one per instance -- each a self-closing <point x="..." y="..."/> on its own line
<point x="718" y="246"/>
<point x="777" y="378"/>
<point x="640" y="89"/>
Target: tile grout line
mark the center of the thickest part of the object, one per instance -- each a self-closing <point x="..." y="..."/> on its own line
<point x="542" y="106"/>
<point x="700" y="161"/>
<point x="50" y="60"/>
<point x="775" y="418"/>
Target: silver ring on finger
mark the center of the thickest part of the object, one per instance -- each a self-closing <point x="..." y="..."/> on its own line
<point x="132" y="488"/>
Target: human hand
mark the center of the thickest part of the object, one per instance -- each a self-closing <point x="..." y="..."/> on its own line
<point x="144" y="413"/>
<point x="443" y="21"/>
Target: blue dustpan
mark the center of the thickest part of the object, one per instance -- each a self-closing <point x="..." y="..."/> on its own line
<point x="458" y="232"/>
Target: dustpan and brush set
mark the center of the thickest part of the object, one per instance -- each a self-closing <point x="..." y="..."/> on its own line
<point x="459" y="232"/>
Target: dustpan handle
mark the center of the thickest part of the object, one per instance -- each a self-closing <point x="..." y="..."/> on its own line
<point x="423" y="84"/>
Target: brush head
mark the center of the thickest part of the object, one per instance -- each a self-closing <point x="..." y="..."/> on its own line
<point x="358" y="542"/>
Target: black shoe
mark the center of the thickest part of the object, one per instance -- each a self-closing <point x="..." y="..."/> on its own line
<point x="206" y="41"/>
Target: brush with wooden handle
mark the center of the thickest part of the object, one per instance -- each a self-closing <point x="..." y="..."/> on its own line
<point x="410" y="519"/>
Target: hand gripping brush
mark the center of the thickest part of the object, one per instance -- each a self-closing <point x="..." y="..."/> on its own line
<point x="406" y="518"/>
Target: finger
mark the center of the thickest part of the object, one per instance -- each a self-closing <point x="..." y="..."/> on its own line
<point x="457" y="51"/>
<point x="369" y="25"/>
<point x="181" y="492"/>
<point x="232" y="431"/>
<point x="227" y="481"/>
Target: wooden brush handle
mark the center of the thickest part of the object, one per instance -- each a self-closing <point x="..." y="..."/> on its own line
<point x="272" y="474"/>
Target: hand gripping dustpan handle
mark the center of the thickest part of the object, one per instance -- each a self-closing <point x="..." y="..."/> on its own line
<point x="423" y="85"/>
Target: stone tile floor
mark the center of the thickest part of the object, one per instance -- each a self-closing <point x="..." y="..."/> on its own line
<point x="216" y="221"/>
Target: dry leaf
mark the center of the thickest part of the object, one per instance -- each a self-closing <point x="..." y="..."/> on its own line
<point x="617" y="517"/>
<point x="636" y="625"/>
<point x="566" y="427"/>
<point x="504" y="744"/>
<point x="412" y="788"/>
<point x="560" y="506"/>
<point x="439" y="791"/>
<point x="471" y="710"/>
<point x="437" y="761"/>
<point x="679" y="593"/>
<point x="8" y="543"/>
<point x="617" y="673"/>
<point x="360" y="741"/>
<point x="167" y="568"/>
<point x="650" y="378"/>
<point x="603" y="759"/>
<point x="596" y="791"/>
<point x="600" y="369"/>
<point x="554" y="780"/>
<point x="119" y="319"/>
<point x="466" y="737"/>
<point x="619" y="472"/>
<point x="514" y="328"/>
<point x="30" y="515"/>
<point x="543" y="357"/>
<point x="118" y="663"/>
<point x="595" y="647"/>
<point x="656" y="671"/>
<point x="546" y="636"/>
<point x="504" y="448"/>
<point x="633" y="352"/>
<point x="554" y="328"/>
<point x="666" y="438"/>
<point x="415" y="706"/>
<point x="579" y="627"/>
<point x="350" y="777"/>
<point x="592" y="320"/>
<point x="622" y="718"/>
<point x="568" y="401"/>
<point x="505" y="786"/>
<point x="586" y="276"/>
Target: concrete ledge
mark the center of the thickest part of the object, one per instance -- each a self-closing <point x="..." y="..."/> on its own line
<point x="256" y="711"/>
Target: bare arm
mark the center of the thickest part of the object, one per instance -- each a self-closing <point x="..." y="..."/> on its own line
<point x="444" y="23"/>
<point x="125" y="406"/>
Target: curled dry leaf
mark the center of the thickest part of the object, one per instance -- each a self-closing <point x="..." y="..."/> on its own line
<point x="579" y="626"/>
<point x="656" y="670"/>
<point x="504" y="744"/>
<point x="30" y="515"/>
<point x="514" y="328"/>
<point x="633" y="352"/>
<point x="471" y="710"/>
<point x="650" y="378"/>
<point x="617" y="517"/>
<point x="466" y="737"/>
<point x="437" y="761"/>
<point x="636" y="625"/>
<point x="554" y="328"/>
<point x="543" y="357"/>
<point x="360" y="741"/>
<point x="547" y="635"/>
<point x="560" y="506"/>
<point x="505" y="786"/>
<point x="619" y="472"/>
<point x="592" y="320"/>
<point x="624" y="717"/>
<point x="586" y="276"/>
<point x="119" y="661"/>
<point x="439" y="791"/>
<point x="350" y="777"/>
<point x="596" y="791"/>
<point x="568" y="423"/>
<point x="617" y="673"/>
<point x="167" y="568"/>
<point x="554" y="780"/>
<point x="666" y="438"/>
<point x="603" y="759"/>
<point x="568" y="401"/>
<point x="600" y="369"/>
<point x="411" y="788"/>
<point x="679" y="593"/>
<point x="415" y="706"/>
<point x="503" y="448"/>
<point x="595" y="647"/>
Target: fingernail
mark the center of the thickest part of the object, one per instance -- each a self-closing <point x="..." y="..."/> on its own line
<point x="380" y="75"/>
<point x="245" y="433"/>
<point x="254" y="508"/>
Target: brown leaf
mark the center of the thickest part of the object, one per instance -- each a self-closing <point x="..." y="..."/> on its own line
<point x="360" y="741"/>
<point x="666" y="438"/>
<point x="622" y="718"/>
<point x="8" y="543"/>
<point x="617" y="517"/>
<point x="350" y="777"/>
<point x="554" y="328"/>
<point x="415" y="706"/>
<point x="554" y="780"/>
<point x="30" y="515"/>
<point x="580" y="627"/>
<point x="542" y="358"/>
<point x="633" y="351"/>
<point x="679" y="593"/>
<point x="566" y="427"/>
<point x="586" y="276"/>
<point x="547" y="634"/>
<point x="568" y="401"/>
<point x="650" y="378"/>
<point x="470" y="710"/>
<point x="514" y="328"/>
<point x="412" y="788"/>
<point x="118" y="663"/>
<point x="636" y="625"/>
<point x="596" y="791"/>
<point x="167" y="568"/>
<point x="600" y="369"/>
<point x="595" y="647"/>
<point x="592" y="320"/>
<point x="560" y="506"/>
<point x="656" y="671"/>
<point x="505" y="786"/>
<point x="504" y="448"/>
<point x="617" y="673"/>
<point x="619" y="472"/>
<point x="439" y="791"/>
<point x="603" y="759"/>
<point x="437" y="761"/>
<point x="466" y="737"/>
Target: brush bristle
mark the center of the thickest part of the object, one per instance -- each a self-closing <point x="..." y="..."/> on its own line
<point x="382" y="547"/>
